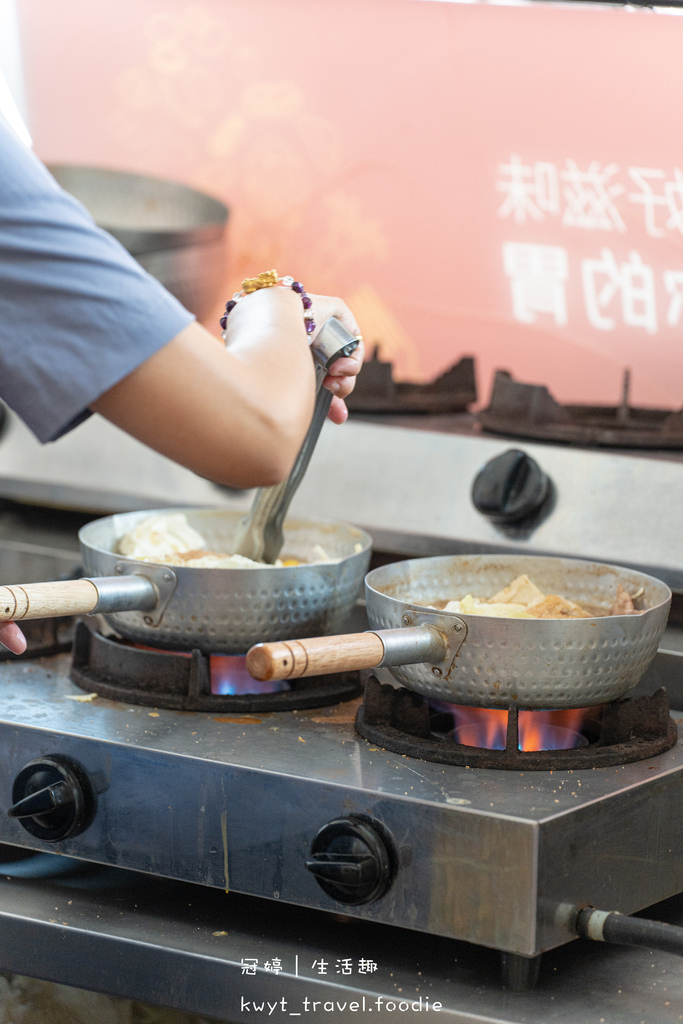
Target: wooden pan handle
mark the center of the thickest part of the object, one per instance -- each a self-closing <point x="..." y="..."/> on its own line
<point x="314" y="656"/>
<point x="47" y="600"/>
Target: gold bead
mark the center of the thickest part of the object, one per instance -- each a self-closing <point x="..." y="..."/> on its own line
<point x="267" y="279"/>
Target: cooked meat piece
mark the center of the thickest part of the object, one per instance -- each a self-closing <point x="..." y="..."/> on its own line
<point x="623" y="604"/>
<point x="555" y="607"/>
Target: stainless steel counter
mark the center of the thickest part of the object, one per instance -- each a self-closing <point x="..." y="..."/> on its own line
<point x="180" y="945"/>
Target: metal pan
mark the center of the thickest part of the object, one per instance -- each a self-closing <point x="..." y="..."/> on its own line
<point x="487" y="662"/>
<point x="176" y="233"/>
<point x="218" y="611"/>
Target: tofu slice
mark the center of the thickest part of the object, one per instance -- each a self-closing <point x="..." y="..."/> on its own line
<point x="520" y="591"/>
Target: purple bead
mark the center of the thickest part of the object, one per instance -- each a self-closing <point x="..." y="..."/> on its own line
<point x="306" y="301"/>
<point x="229" y="306"/>
<point x="297" y="287"/>
<point x="310" y="326"/>
<point x="224" y="322"/>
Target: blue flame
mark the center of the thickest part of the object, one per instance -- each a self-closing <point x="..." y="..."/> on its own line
<point x="229" y="676"/>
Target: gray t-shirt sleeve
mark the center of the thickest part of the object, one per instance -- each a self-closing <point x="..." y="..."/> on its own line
<point x="77" y="313"/>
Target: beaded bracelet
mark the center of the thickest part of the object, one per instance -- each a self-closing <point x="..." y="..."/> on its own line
<point x="268" y="279"/>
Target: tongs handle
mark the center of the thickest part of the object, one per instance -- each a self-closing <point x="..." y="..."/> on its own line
<point x="260" y="535"/>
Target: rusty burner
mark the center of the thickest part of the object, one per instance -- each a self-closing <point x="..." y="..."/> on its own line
<point x="191" y="680"/>
<point x="376" y="391"/>
<point x="627" y="730"/>
<point x="529" y="410"/>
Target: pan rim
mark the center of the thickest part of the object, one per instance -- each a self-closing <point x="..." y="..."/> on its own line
<point x="514" y="623"/>
<point x="133" y="517"/>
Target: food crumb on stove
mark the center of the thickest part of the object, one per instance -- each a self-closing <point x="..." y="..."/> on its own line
<point x="153" y="714"/>
<point x="301" y="739"/>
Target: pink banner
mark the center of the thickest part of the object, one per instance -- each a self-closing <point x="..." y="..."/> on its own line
<point x="497" y="181"/>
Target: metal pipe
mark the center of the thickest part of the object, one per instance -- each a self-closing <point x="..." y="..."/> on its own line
<point x="124" y="593"/>
<point x="412" y="646"/>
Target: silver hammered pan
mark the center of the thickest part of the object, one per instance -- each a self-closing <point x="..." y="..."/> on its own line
<point x="218" y="611"/>
<point x="487" y="662"/>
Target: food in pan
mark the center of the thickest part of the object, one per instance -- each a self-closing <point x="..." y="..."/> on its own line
<point x="522" y="599"/>
<point x="161" y="536"/>
<point x="199" y="559"/>
<point x="168" y="539"/>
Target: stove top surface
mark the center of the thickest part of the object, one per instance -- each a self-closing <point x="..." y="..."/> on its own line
<point x="499" y="858"/>
<point x="318" y="745"/>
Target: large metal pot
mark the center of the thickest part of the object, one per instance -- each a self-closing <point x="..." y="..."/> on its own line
<point x="176" y="233"/>
<point x="221" y="611"/>
<point x="487" y="662"/>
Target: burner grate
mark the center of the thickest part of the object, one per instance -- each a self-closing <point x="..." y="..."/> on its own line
<point x="163" y="679"/>
<point x="376" y="391"/>
<point x="529" y="410"/>
<point x="402" y="721"/>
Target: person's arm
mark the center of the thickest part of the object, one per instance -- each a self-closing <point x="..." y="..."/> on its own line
<point x="236" y="415"/>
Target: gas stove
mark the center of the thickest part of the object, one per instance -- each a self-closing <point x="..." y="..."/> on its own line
<point x="253" y="803"/>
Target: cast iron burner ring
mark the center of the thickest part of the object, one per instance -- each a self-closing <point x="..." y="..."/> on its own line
<point x="162" y="679"/>
<point x="401" y="720"/>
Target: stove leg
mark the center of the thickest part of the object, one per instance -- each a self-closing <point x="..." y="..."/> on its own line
<point x="520" y="973"/>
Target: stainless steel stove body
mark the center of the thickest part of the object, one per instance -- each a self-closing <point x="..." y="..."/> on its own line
<point x="502" y="859"/>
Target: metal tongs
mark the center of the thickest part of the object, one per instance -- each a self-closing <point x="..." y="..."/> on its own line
<point x="260" y="536"/>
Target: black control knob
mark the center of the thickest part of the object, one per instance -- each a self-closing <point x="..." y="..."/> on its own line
<point x="351" y="861"/>
<point x="510" y="487"/>
<point x="53" y="798"/>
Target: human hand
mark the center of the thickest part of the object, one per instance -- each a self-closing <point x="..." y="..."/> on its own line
<point x="12" y="638"/>
<point x="341" y="378"/>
